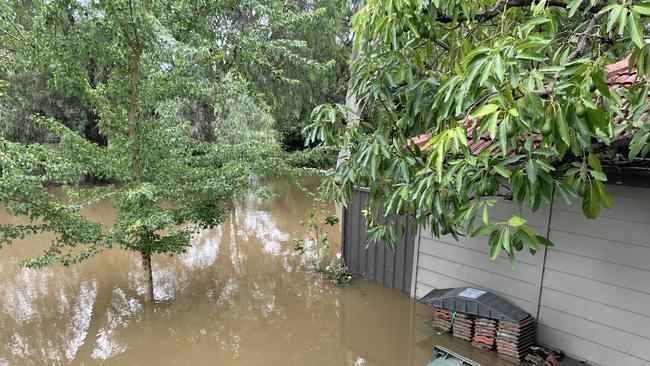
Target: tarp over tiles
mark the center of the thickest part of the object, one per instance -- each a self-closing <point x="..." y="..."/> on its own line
<point x="474" y="301"/>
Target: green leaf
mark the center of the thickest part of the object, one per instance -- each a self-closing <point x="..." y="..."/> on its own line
<point x="484" y="110"/>
<point x="638" y="143"/>
<point x="413" y="28"/>
<point x="598" y="175"/>
<point x="622" y="21"/>
<point x="591" y="202"/>
<point x="486" y="216"/>
<point x="599" y="79"/>
<point x="531" y="56"/>
<point x="608" y="8"/>
<point x="594" y="162"/>
<point x="635" y="30"/>
<point x="598" y="118"/>
<point x="503" y="171"/>
<point x="495" y="245"/>
<point x="516" y="221"/>
<point x="642" y="9"/>
<point x="484" y="230"/>
<point x="574" y="5"/>
<point x="504" y="240"/>
<point x="529" y="239"/>
<point x="503" y="139"/>
<point x="544" y="241"/>
<point x="531" y="171"/>
<point x="605" y="199"/>
<point x="613" y="17"/>
<point x="562" y="127"/>
<point x="498" y="67"/>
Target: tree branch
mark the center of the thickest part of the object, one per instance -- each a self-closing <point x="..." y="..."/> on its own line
<point x="592" y="29"/>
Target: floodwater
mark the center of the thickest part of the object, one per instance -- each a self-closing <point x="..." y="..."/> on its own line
<point x="239" y="296"/>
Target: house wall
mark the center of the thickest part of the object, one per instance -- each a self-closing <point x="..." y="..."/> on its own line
<point x="590" y="292"/>
<point x="446" y="262"/>
<point x="595" y="299"/>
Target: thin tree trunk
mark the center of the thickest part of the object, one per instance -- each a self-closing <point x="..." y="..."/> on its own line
<point x="351" y="97"/>
<point x="352" y="115"/>
<point x="133" y="115"/>
<point x="207" y="116"/>
<point x="148" y="277"/>
<point x="136" y="47"/>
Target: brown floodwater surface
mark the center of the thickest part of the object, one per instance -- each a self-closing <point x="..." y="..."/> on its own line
<point x="239" y="296"/>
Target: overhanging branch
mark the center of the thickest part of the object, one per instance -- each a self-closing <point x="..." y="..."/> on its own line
<point x="503" y="5"/>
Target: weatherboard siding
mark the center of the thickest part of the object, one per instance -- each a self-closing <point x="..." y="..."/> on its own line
<point x="444" y="262"/>
<point x="595" y="299"/>
<point x="590" y="292"/>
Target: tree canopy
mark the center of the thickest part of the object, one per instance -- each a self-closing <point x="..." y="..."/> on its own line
<point x="261" y="56"/>
<point x="156" y="63"/>
<point x="525" y="79"/>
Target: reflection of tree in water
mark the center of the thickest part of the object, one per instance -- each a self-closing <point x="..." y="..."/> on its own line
<point x="32" y="302"/>
<point x="235" y="295"/>
<point x="118" y="314"/>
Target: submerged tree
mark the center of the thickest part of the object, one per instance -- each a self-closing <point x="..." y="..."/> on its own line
<point x="167" y="184"/>
<point x="506" y="99"/>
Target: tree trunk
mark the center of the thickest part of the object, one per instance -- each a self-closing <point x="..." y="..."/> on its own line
<point x="148" y="277"/>
<point x="136" y="47"/>
<point x="351" y="98"/>
<point x="352" y="115"/>
<point x="207" y="116"/>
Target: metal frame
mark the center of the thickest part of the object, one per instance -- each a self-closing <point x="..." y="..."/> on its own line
<point x="416" y="259"/>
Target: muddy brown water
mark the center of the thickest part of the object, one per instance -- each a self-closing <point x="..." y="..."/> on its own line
<point x="239" y="296"/>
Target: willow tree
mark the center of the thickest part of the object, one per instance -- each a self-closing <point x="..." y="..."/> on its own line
<point x="506" y="98"/>
<point x="168" y="184"/>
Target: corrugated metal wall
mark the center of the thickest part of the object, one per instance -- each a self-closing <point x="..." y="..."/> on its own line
<point x="591" y="291"/>
<point x="378" y="262"/>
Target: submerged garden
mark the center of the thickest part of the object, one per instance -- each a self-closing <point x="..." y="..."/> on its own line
<point x="173" y="173"/>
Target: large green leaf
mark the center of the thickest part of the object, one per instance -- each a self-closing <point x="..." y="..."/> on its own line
<point x="484" y="110"/>
<point x="635" y="30"/>
<point x="591" y="202"/>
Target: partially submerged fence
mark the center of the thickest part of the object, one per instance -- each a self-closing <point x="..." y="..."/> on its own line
<point x="377" y="261"/>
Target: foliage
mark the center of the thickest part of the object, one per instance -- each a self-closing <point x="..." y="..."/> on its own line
<point x="308" y="30"/>
<point x="269" y="46"/>
<point x="228" y="114"/>
<point x="318" y="157"/>
<point x="316" y="237"/>
<point x="170" y="184"/>
<point x="338" y="273"/>
<point x="260" y="62"/>
<point x="527" y="78"/>
<point x="315" y="245"/>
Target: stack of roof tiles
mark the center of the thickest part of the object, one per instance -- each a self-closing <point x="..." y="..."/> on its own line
<point x="485" y="332"/>
<point x="463" y="327"/>
<point x="441" y="319"/>
<point x="515" y="339"/>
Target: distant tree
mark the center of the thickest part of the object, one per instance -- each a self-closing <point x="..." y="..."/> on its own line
<point x="169" y="184"/>
<point x="268" y="48"/>
<point x="527" y="78"/>
<point x="294" y="53"/>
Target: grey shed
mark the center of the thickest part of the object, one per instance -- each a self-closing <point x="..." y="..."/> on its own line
<point x="474" y="301"/>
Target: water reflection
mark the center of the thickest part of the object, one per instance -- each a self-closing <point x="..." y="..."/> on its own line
<point x="239" y="296"/>
<point x="120" y="312"/>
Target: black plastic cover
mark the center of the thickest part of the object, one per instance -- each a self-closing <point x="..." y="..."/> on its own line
<point x="475" y="301"/>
